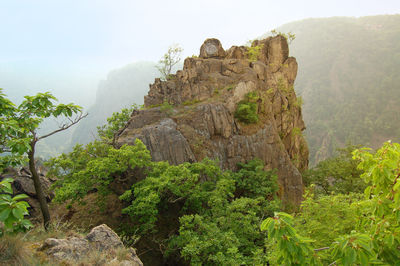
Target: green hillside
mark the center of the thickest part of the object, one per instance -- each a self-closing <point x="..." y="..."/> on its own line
<point x="349" y="79"/>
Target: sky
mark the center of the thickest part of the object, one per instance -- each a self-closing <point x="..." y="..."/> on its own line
<point x="74" y="41"/>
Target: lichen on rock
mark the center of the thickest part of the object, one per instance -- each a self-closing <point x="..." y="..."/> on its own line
<point x="205" y="95"/>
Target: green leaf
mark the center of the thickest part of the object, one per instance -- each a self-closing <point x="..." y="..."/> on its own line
<point x="4" y="214"/>
<point x="20" y="197"/>
<point x="18" y="213"/>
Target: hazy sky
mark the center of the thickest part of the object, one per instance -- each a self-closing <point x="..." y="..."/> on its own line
<point x="91" y="37"/>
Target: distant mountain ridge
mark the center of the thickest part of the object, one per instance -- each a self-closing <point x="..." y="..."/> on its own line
<point x="122" y="88"/>
<point x="349" y="80"/>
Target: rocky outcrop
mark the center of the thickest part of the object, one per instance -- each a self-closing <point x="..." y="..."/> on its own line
<point x="204" y="97"/>
<point x="100" y="239"/>
<point x="23" y="184"/>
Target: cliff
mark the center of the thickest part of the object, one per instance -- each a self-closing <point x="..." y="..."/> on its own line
<point x="194" y="114"/>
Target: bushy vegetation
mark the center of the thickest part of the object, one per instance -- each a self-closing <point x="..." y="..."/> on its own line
<point x="348" y="230"/>
<point x="94" y="167"/>
<point x="198" y="214"/>
<point x="338" y="174"/>
<point x="217" y="212"/>
<point x="213" y="215"/>
<point x="247" y="109"/>
<point x="253" y="52"/>
<point x="12" y="209"/>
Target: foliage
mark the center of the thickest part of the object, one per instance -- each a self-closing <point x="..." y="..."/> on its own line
<point x="288" y="36"/>
<point x="339" y="210"/>
<point x="169" y="60"/>
<point x="299" y="102"/>
<point x="382" y="169"/>
<point x="230" y="87"/>
<point x="376" y="235"/>
<point x="166" y="107"/>
<point x="12" y="209"/>
<point x="114" y="123"/>
<point x="338" y="174"/>
<point x="187" y="103"/>
<point x="296" y="131"/>
<point x="217" y="213"/>
<point x="19" y="133"/>
<point x="247" y="109"/>
<point x="294" y="249"/>
<point x="253" y="52"/>
<point x="94" y="167"/>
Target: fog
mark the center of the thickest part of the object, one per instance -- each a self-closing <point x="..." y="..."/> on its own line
<point x="67" y="47"/>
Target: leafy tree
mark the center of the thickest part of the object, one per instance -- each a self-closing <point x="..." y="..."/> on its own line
<point x="169" y="60"/>
<point x="218" y="213"/>
<point x="338" y="174"/>
<point x="95" y="167"/>
<point x="97" y="164"/>
<point x="376" y="235"/>
<point x="12" y="209"/>
<point x="19" y="133"/>
<point x="114" y="123"/>
<point x="342" y="210"/>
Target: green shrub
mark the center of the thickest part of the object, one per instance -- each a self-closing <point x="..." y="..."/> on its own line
<point x="12" y="209"/>
<point x="253" y="52"/>
<point x="299" y="101"/>
<point x="338" y="174"/>
<point x="187" y="103"/>
<point x="247" y="109"/>
<point x="230" y="87"/>
<point x="365" y="228"/>
<point x="296" y="132"/>
<point x="218" y="212"/>
<point x="247" y="112"/>
<point x="166" y="107"/>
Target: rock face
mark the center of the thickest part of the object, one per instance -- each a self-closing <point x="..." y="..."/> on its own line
<point x="204" y="97"/>
<point x="100" y="239"/>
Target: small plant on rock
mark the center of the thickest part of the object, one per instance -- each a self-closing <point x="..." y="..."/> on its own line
<point x="253" y="52"/>
<point x="247" y="109"/>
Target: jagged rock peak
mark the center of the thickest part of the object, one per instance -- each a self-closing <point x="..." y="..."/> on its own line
<point x="192" y="115"/>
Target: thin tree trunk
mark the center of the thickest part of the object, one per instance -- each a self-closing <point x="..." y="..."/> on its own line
<point x="38" y="187"/>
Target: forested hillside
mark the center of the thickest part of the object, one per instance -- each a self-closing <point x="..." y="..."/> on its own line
<point x="348" y="78"/>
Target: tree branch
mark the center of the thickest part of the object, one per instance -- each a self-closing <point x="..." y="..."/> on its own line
<point x="65" y="126"/>
<point x="319" y="249"/>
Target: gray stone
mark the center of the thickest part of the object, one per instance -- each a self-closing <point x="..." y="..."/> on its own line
<point x="101" y="238"/>
<point x="104" y="238"/>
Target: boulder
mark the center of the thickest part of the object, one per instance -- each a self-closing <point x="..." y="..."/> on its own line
<point x="66" y="249"/>
<point x="104" y="238"/>
<point x="212" y="48"/>
<point x="100" y="239"/>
